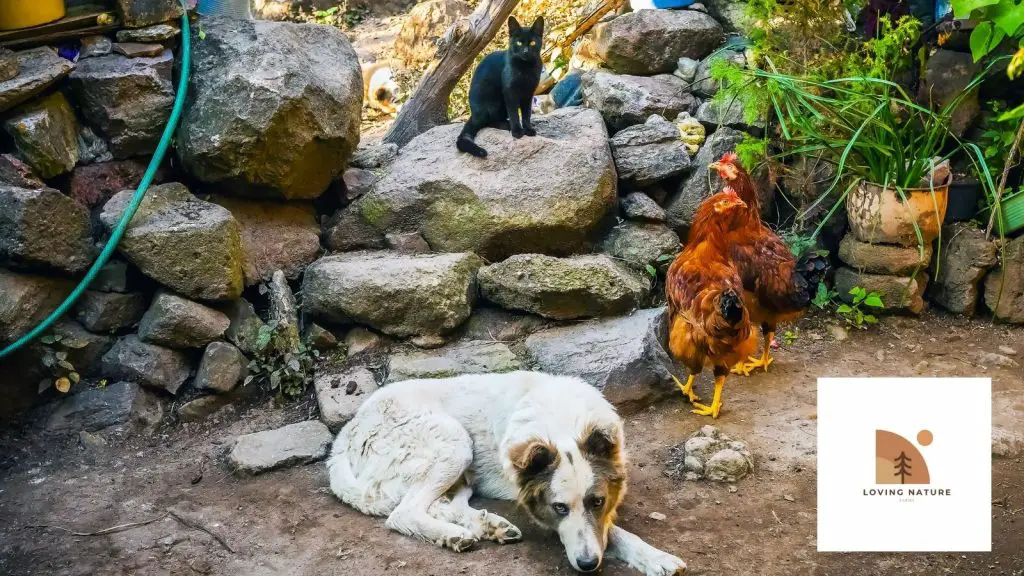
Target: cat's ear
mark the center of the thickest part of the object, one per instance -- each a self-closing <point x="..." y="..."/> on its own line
<point x="538" y="27"/>
<point x="513" y="25"/>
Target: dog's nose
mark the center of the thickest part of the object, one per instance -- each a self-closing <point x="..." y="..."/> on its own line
<point x="588" y="564"/>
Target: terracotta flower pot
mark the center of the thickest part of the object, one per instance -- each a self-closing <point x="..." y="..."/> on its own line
<point x="879" y="215"/>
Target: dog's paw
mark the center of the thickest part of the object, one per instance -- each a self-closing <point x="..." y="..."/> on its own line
<point x="460" y="543"/>
<point x="529" y="131"/>
<point x="517" y="134"/>
<point x="506" y="532"/>
<point x="664" y="564"/>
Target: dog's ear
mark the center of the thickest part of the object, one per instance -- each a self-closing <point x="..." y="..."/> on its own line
<point x="599" y="443"/>
<point x="532" y="457"/>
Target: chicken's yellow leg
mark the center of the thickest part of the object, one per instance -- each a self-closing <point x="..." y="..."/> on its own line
<point x="766" y="357"/>
<point x="688" y="387"/>
<point x="716" y="404"/>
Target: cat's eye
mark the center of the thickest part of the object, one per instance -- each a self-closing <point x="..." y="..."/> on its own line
<point x="560" y="509"/>
<point x="533" y="42"/>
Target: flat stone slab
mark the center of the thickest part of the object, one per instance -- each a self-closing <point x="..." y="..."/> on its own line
<point x="300" y="443"/>
<point x="39" y="68"/>
<point x="94" y="409"/>
<point x="340" y="395"/>
<point x="478" y="357"/>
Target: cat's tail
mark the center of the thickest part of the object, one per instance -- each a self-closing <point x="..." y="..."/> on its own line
<point x="465" y="141"/>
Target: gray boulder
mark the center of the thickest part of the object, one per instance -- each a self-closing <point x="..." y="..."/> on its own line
<point x="947" y="74"/>
<point x="139" y="13"/>
<point x="176" y="322"/>
<point x="339" y="396"/>
<point x="373" y="157"/>
<point x="883" y="258"/>
<point x="964" y="259"/>
<point x="97" y="408"/>
<point x="201" y="408"/>
<point x="475" y="357"/>
<point x="701" y="183"/>
<point x="897" y="292"/>
<point x="731" y="13"/>
<point x="496" y="324"/>
<point x="26" y="299"/>
<point x="625" y="100"/>
<point x="731" y="114"/>
<point x="1004" y="286"/>
<point x="44" y="229"/>
<point x="147" y="364"/>
<point x="652" y="41"/>
<point x="545" y="193"/>
<point x="127" y="100"/>
<point x="300" y="82"/>
<point x="349" y="230"/>
<point x="317" y="337"/>
<point x="191" y="246"/>
<point x="244" y="325"/>
<point x="110" y="311"/>
<point x="564" y="288"/>
<point x="149" y="34"/>
<point x="300" y="443"/>
<point x="401" y="295"/>
<point x="14" y="172"/>
<point x="623" y="357"/>
<point x="686" y="69"/>
<point x="275" y="236"/>
<point x="222" y="368"/>
<point x="93" y="46"/>
<point x="283" y="313"/>
<point x="649" y="152"/>
<point x="39" y="69"/>
<point x="641" y="207"/>
<point x="706" y="86"/>
<point x="641" y="244"/>
<point x="45" y="133"/>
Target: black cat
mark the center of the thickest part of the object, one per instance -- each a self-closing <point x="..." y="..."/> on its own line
<point x="503" y="86"/>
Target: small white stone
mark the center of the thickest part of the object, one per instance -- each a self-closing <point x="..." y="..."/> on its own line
<point x="657" y="516"/>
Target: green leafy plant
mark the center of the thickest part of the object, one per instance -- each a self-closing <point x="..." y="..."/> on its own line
<point x="282" y="363"/>
<point x="55" y="359"/>
<point x="790" y="336"/>
<point x="824" y="297"/>
<point x="857" y="316"/>
<point x="997" y="21"/>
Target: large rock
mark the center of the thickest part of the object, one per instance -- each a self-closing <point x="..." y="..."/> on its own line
<point x="180" y="323"/>
<point x="97" y="408"/>
<point x="401" y="295"/>
<point x="649" y="152"/>
<point x="1004" y="286"/>
<point x="652" y="41"/>
<point x="275" y="236"/>
<point x="149" y="34"/>
<point x="94" y="184"/>
<point x="641" y="207"/>
<point x="222" y="368"/>
<point x="627" y="100"/>
<point x="339" y="396"/>
<point x="283" y="312"/>
<point x="147" y="364"/>
<point x="26" y="299"/>
<point x="497" y="324"/>
<point x="641" y="244"/>
<point x="424" y="26"/>
<point x="897" y="292"/>
<point x="300" y="443"/>
<point x="42" y="228"/>
<point x="127" y="100"/>
<point x="564" y="288"/>
<point x="14" y="172"/>
<point x="476" y="357"/>
<point x="139" y="13"/>
<point x="706" y="86"/>
<point x="623" y="357"/>
<point x="947" y="74"/>
<point x="348" y="230"/>
<point x="191" y="246"/>
<point x="45" y="133"/>
<point x="701" y="183"/>
<point x="244" y="325"/>
<point x="731" y="13"/>
<point x="965" y="257"/>
<point x="274" y="107"/>
<point x="545" y="193"/>
<point x="39" y="69"/>
<point x="732" y="114"/>
<point x="883" y="258"/>
<point x="110" y="311"/>
<point x="375" y="156"/>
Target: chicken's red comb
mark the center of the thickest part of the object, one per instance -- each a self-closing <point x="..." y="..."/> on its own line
<point x="729" y="190"/>
<point x="730" y="158"/>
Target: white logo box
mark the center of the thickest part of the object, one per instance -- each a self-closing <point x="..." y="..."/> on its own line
<point x="953" y="512"/>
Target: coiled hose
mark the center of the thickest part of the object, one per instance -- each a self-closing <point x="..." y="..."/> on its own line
<point x="140" y="192"/>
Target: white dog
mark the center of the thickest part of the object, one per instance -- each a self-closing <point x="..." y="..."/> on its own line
<point x="417" y="450"/>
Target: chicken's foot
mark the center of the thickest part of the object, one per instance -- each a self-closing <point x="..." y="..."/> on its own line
<point x="764" y="361"/>
<point x="688" y="388"/>
<point x="716" y="404"/>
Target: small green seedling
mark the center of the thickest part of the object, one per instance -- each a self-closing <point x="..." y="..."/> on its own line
<point x="854" y="315"/>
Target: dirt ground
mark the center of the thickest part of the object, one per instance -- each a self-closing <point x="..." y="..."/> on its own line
<point x="286" y="522"/>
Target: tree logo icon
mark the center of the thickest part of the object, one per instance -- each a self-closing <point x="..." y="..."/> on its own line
<point x="898" y="461"/>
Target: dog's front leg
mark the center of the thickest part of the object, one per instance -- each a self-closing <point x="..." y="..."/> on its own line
<point x="640" y="555"/>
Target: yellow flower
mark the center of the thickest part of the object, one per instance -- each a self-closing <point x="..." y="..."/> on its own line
<point x="1016" y="67"/>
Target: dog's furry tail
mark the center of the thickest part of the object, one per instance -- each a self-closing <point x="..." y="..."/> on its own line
<point x="465" y="141"/>
<point x="343" y="481"/>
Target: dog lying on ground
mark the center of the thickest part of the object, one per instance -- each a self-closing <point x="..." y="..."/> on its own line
<point x="417" y="450"/>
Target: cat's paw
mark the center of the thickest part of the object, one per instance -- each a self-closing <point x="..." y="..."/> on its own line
<point x="529" y="131"/>
<point x="517" y="133"/>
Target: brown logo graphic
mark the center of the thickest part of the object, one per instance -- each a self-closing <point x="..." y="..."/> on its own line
<point x="898" y="461"/>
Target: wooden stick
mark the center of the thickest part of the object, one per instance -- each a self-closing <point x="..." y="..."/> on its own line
<point x="130" y="525"/>
<point x="1011" y="157"/>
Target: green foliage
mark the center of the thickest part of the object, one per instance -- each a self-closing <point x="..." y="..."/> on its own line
<point x="55" y="359"/>
<point x="283" y="365"/>
<point x="997" y="20"/>
<point x="997" y="136"/>
<point x="824" y="297"/>
<point x="345" y="16"/>
<point x="854" y="314"/>
<point x="790" y="336"/>
<point x="752" y="151"/>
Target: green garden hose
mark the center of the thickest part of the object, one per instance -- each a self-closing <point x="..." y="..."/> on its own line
<point x="140" y="192"/>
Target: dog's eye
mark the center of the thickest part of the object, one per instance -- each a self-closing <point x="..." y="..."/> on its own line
<point x="596" y="502"/>
<point x="560" y="509"/>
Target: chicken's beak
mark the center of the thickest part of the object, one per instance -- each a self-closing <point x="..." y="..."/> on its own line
<point x="715" y="166"/>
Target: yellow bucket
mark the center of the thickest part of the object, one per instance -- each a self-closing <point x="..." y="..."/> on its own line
<point x="17" y="14"/>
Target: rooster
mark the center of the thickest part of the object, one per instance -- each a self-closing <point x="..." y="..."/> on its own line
<point x="708" y="323"/>
<point x="777" y="287"/>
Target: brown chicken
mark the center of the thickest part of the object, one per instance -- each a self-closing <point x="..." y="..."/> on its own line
<point x="708" y="324"/>
<point x="777" y="287"/>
